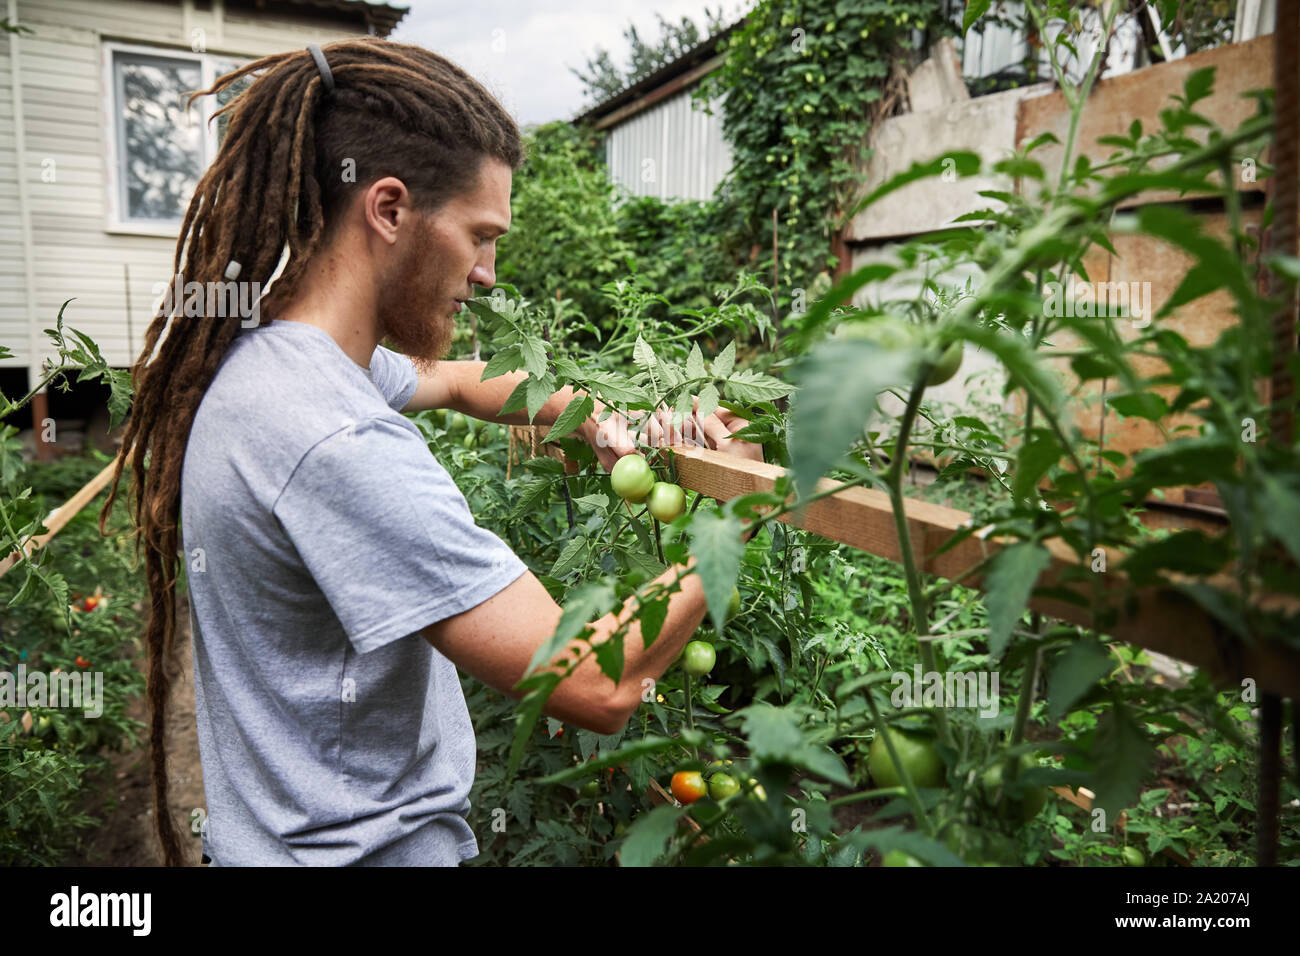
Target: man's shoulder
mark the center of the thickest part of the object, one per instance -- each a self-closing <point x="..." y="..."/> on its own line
<point x="278" y="393"/>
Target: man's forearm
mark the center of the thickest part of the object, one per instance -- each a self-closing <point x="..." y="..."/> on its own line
<point x="483" y="399"/>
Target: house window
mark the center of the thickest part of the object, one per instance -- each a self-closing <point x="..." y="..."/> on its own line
<point x="159" y="147"/>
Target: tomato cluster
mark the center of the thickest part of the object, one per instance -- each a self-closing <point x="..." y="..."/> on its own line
<point x="634" y="481"/>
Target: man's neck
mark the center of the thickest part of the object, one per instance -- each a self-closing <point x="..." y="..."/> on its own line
<point x="335" y="299"/>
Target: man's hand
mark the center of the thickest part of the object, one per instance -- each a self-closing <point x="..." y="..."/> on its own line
<point x="713" y="431"/>
<point x="619" y="435"/>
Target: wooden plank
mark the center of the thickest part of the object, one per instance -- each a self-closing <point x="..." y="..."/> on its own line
<point x="1116" y="102"/>
<point x="1159" y="618"/>
<point x="61" y="515"/>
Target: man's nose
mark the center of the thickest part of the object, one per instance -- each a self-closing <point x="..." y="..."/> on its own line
<point x="485" y="276"/>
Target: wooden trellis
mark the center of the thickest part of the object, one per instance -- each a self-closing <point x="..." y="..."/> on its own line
<point x="1159" y="618"/>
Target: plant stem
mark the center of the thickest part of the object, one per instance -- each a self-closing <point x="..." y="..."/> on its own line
<point x="1026" y="700"/>
<point x="918" y="808"/>
<point x="915" y="586"/>
<point x="867" y="795"/>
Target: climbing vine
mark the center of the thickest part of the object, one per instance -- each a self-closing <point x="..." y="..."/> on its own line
<point x="803" y="82"/>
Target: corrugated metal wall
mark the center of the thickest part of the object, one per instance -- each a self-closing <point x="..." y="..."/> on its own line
<point x="671" y="150"/>
<point x="674" y="151"/>
<point x="995" y="48"/>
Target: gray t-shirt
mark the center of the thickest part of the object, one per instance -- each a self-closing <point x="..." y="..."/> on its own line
<point x="320" y="536"/>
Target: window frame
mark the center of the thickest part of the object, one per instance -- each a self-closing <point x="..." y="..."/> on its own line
<point x="116" y="221"/>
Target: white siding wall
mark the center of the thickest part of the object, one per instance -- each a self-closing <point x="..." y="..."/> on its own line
<point x="670" y="150"/>
<point x="65" y="111"/>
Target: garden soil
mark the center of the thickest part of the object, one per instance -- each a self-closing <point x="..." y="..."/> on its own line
<point x="123" y="799"/>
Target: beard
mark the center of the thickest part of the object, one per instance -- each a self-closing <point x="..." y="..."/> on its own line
<point x="411" y="302"/>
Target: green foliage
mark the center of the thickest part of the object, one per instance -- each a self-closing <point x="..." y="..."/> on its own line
<point x="563" y="239"/>
<point x="603" y="78"/>
<point x="802" y="82"/>
<point x="800" y="687"/>
<point x="51" y="756"/>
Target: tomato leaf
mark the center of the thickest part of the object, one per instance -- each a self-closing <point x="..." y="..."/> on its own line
<point x="609" y="655"/>
<point x="648" y="836"/>
<point x="652" y="614"/>
<point x="526" y="714"/>
<point x="537" y="393"/>
<point x="1074" y="673"/>
<point x="695" y="362"/>
<point x="716" y="544"/>
<point x="726" y="360"/>
<point x="1009" y="583"/>
<point x="1188" y="552"/>
<point x="577" y="412"/>
<point x="839" y="384"/>
<point x="507" y="360"/>
<point x="1122" y="757"/>
<point x="1037" y="455"/>
<point x="589" y="601"/>
<point x="569" y="557"/>
<point x="518" y="398"/>
<point x="753" y="387"/>
<point x="774" y="736"/>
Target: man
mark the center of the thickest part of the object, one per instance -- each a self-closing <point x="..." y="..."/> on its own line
<point x="336" y="576"/>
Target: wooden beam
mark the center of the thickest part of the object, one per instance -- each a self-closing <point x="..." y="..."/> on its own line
<point x="61" y="515"/>
<point x="1158" y="618"/>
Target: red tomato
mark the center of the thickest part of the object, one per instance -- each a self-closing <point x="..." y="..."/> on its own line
<point x="688" y="786"/>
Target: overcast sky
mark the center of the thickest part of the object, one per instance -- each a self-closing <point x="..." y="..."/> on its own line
<point x="521" y="49"/>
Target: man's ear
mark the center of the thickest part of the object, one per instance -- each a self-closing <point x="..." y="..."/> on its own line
<point x="384" y="204"/>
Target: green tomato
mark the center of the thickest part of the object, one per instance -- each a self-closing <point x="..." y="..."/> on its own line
<point x="891" y="334"/>
<point x="698" y="658"/>
<point x="723" y="785"/>
<point x="667" y="501"/>
<point x="899" y="858"/>
<point x="632" y="478"/>
<point x="459" y="422"/>
<point x="733" y="606"/>
<point x="917" y="754"/>
<point x="1025" y="808"/>
<point x="589" y="789"/>
<point x="947" y="365"/>
<point x="1133" y="857"/>
<point x="469" y="439"/>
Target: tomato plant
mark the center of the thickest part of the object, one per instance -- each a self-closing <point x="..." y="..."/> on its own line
<point x="798" y="695"/>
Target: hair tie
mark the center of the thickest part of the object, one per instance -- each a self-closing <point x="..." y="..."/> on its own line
<point x="326" y="76"/>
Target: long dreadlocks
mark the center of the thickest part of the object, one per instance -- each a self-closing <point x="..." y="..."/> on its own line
<point x="281" y="177"/>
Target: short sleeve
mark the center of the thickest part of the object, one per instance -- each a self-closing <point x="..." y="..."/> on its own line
<point x="394" y="376"/>
<point x="386" y="534"/>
